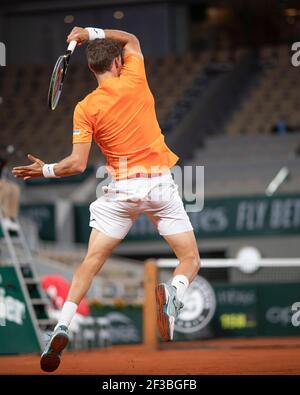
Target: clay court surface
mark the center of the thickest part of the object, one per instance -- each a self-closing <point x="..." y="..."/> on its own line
<point x="234" y="356"/>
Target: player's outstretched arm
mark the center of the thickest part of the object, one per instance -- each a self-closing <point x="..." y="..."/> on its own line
<point x="129" y="41"/>
<point x="73" y="164"/>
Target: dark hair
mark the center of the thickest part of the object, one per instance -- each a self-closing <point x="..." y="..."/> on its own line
<point x="101" y="53"/>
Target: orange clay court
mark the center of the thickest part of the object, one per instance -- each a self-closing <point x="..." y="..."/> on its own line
<point x="230" y="356"/>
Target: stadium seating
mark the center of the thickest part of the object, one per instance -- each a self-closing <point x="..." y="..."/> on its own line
<point x="273" y="98"/>
<point x="35" y="129"/>
<point x="38" y="130"/>
<point x="176" y="81"/>
<point x="246" y="164"/>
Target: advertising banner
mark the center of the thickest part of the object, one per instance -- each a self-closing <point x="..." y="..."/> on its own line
<point x="220" y="218"/>
<point x="17" y="335"/>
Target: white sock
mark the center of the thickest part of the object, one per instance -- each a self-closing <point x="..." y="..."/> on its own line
<point x="181" y="283"/>
<point x="67" y="314"/>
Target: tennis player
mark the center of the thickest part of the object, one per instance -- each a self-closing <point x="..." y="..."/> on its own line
<point x="120" y="116"/>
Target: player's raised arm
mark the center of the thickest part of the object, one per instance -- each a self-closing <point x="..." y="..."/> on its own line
<point x="129" y="41"/>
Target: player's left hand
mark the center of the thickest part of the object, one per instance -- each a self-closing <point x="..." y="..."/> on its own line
<point x="31" y="171"/>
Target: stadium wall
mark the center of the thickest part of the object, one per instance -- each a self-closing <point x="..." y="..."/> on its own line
<point x="169" y="35"/>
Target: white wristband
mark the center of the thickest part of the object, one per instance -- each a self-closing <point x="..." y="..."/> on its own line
<point x="95" y="33"/>
<point x="48" y="171"/>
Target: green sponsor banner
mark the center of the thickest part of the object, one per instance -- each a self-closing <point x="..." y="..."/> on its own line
<point x="17" y="335"/>
<point x="252" y="310"/>
<point x="236" y="217"/>
<point x="242" y="310"/>
<point x="275" y="309"/>
<point x="228" y="217"/>
<point x="236" y="311"/>
<point x="44" y="216"/>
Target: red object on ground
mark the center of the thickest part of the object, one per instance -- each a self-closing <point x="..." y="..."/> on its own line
<point x="57" y="288"/>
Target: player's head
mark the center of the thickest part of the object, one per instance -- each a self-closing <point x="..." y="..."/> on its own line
<point x="104" y="55"/>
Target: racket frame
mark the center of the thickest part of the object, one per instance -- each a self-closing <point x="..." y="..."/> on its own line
<point x="61" y="64"/>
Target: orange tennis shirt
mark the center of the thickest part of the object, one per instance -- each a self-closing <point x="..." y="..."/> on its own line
<point x="120" y="116"/>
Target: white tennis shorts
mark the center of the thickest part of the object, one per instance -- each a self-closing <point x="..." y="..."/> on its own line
<point x="116" y="210"/>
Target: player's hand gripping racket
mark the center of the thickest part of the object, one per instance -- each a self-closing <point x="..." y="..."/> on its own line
<point x="58" y="76"/>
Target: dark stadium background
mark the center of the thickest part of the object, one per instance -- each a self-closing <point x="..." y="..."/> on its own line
<point x="227" y="98"/>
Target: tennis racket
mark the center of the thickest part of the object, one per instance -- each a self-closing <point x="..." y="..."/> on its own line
<point x="58" y="76"/>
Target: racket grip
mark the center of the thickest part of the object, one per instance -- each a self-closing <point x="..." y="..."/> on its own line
<point x="72" y="46"/>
